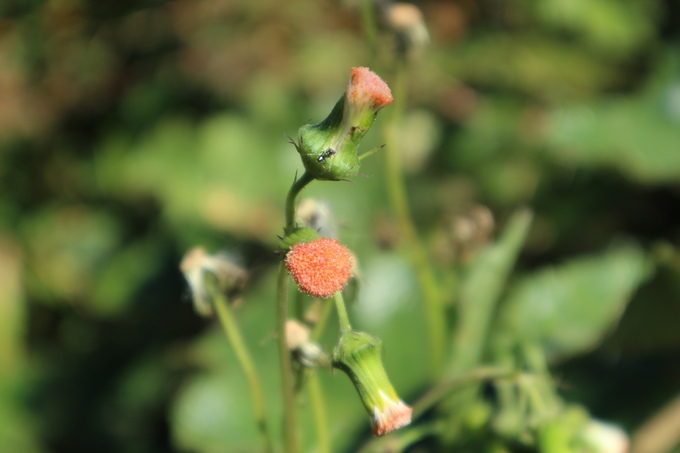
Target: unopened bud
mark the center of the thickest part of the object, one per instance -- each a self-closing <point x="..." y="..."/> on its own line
<point x="329" y="149"/>
<point x="407" y="22"/>
<point x="306" y="352"/>
<point x="358" y="355"/>
<point x="317" y="216"/>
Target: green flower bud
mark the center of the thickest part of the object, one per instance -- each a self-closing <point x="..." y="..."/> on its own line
<point x="297" y="236"/>
<point x="329" y="148"/>
<point x="358" y="355"/>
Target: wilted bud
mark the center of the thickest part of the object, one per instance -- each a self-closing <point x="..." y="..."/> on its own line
<point x="358" y="355"/>
<point x="408" y="25"/>
<point x="197" y="263"/>
<point x="296" y="334"/>
<point x="329" y="148"/>
<point x="471" y="231"/>
<point x="306" y="352"/>
<point x="316" y="215"/>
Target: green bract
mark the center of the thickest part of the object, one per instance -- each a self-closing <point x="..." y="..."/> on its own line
<point x="329" y="149"/>
<point x="296" y="236"/>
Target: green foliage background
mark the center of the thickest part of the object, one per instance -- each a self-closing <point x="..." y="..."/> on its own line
<point x="131" y="131"/>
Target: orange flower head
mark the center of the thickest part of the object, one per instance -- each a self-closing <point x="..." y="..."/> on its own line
<point x="320" y="267"/>
<point x="367" y="89"/>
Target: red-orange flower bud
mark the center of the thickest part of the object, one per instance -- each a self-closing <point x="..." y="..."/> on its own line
<point x="320" y="267"/>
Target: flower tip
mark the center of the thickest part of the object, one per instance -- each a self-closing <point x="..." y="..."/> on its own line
<point x="396" y="415"/>
<point x="367" y="87"/>
<point x="320" y="267"/>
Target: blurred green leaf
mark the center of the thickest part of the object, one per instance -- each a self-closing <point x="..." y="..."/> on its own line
<point x="480" y="289"/>
<point x="610" y="26"/>
<point x="638" y="134"/>
<point x="65" y="244"/>
<point x="569" y="308"/>
<point x="123" y="274"/>
<point x="529" y="62"/>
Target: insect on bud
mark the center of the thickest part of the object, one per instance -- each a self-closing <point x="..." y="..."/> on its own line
<point x="329" y="148"/>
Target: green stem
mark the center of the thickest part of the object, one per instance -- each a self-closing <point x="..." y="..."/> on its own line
<point x="303" y="372"/>
<point x="298" y="305"/>
<point x="442" y="390"/>
<point x="289" y="388"/>
<point x="321" y="323"/>
<point x="541" y="389"/>
<point x="343" y="319"/>
<point x="289" y="427"/>
<point x="319" y="411"/>
<point x="306" y="375"/>
<point x="294" y="191"/>
<point x="370" y="27"/>
<point x="432" y="298"/>
<point x="242" y="355"/>
<point x="287" y="383"/>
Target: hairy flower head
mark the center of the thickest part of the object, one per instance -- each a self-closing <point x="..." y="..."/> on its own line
<point x="366" y="90"/>
<point x="320" y="267"/>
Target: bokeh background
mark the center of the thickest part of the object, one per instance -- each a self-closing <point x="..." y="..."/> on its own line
<point x="131" y="131"/>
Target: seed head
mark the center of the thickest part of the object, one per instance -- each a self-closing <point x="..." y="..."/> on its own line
<point x="320" y="267"/>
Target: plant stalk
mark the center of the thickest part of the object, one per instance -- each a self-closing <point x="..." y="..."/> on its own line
<point x="291" y="199"/>
<point x="287" y="386"/>
<point x="319" y="411"/>
<point x="289" y="426"/>
<point x="343" y="319"/>
<point x="243" y="356"/>
<point x="396" y="188"/>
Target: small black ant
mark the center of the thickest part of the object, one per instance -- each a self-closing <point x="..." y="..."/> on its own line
<point x="326" y="154"/>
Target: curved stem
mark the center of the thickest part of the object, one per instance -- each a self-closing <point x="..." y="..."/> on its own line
<point x="242" y="355"/>
<point x="289" y="427"/>
<point x="287" y="388"/>
<point x="319" y="411"/>
<point x="369" y="26"/>
<point x="443" y="389"/>
<point x="343" y="319"/>
<point x="321" y="323"/>
<point x="294" y="191"/>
